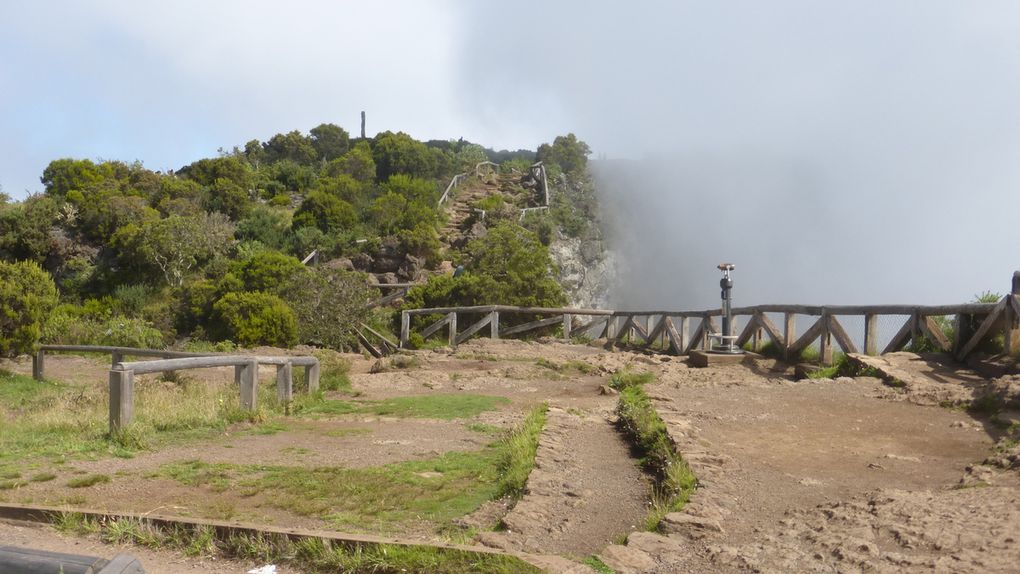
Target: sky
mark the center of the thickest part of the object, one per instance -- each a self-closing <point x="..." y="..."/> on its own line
<point x="853" y="152"/>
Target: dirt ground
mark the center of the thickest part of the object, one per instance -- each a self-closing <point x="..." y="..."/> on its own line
<point x="841" y="475"/>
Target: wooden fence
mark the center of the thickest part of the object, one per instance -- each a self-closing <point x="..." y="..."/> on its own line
<point x="246" y="368"/>
<point x="681" y="332"/>
<point x="122" y="374"/>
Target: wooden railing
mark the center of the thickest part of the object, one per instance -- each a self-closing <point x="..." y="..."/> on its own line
<point x="122" y="373"/>
<point x="122" y="379"/>
<point x="681" y="332"/>
<point x="460" y="177"/>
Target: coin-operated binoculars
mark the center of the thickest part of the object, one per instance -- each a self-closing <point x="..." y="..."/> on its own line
<point x="726" y="340"/>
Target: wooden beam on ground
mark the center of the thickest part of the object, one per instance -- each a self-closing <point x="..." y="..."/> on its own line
<point x="485" y="320"/>
<point x="931" y="330"/>
<point x="380" y="336"/>
<point x="902" y="337"/>
<point x="532" y="325"/>
<point x="368" y="344"/>
<point x="842" y="338"/>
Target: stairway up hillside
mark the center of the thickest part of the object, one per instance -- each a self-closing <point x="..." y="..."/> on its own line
<point x="463" y="220"/>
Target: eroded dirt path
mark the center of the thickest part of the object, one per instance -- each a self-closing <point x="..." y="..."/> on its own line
<point x="585" y="491"/>
<point x="828" y="476"/>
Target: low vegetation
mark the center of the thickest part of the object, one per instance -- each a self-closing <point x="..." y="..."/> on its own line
<point x="675" y="480"/>
<point x="446" y="407"/>
<point x="517" y="450"/>
<point x="307" y="554"/>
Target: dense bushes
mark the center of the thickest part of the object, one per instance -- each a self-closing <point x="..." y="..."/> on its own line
<point x="27" y="295"/>
<point x="254" y="318"/>
<point x="509" y="266"/>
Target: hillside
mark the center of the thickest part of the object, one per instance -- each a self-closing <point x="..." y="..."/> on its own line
<point x="279" y="242"/>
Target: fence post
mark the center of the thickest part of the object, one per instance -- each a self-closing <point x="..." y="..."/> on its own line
<point x="870" y="334"/>
<point x="568" y="321"/>
<point x="122" y="399"/>
<point x="685" y="333"/>
<point x="249" y="385"/>
<point x="494" y="325"/>
<point x="38" y="364"/>
<point x="312" y="377"/>
<point x="285" y="382"/>
<point x="452" y="341"/>
<point x="115" y="358"/>
<point x="789" y="333"/>
<point x="825" y="341"/>
<point x="1012" y="335"/>
<point x="405" y="328"/>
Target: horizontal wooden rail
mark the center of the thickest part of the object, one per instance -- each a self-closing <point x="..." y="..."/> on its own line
<point x="674" y="330"/>
<point x="122" y="378"/>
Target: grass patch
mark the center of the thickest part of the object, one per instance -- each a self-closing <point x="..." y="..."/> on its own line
<point x="86" y="481"/>
<point x="378" y="499"/>
<point x="573" y="365"/>
<point x="12" y="484"/>
<point x="484" y="428"/>
<point x="446" y="407"/>
<point x="842" y="366"/>
<point x="517" y="453"/>
<point x="43" y="477"/>
<point x="596" y="564"/>
<point x="675" y="481"/>
<point x="306" y="555"/>
<point x="53" y="421"/>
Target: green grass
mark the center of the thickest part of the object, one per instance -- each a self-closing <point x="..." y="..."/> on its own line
<point x="43" y="477"/>
<point x="306" y="554"/>
<point x="675" y="480"/>
<point x="446" y="407"/>
<point x="575" y="365"/>
<point x="86" y="481"/>
<point x="52" y="421"/>
<point x="517" y="451"/>
<point x="596" y="564"/>
<point x="379" y="499"/>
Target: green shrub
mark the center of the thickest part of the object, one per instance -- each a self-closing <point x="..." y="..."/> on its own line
<point x="268" y="271"/>
<point x="70" y="326"/>
<point x="254" y="318"/>
<point x="27" y="295"/>
<point x="329" y="305"/>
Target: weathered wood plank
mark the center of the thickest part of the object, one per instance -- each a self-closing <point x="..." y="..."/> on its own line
<point x="250" y="385"/>
<point x="685" y="333"/>
<point x="658" y="330"/>
<point x="285" y="382"/>
<point x="368" y="345"/>
<point x="624" y="329"/>
<point x="676" y="341"/>
<point x="585" y="327"/>
<point x="380" y="336"/>
<point x="931" y="330"/>
<point x="771" y="330"/>
<point x="842" y="337"/>
<point x="748" y="332"/>
<point x="984" y="328"/>
<point x="494" y="325"/>
<point x="405" y="328"/>
<point x="870" y="334"/>
<point x="451" y="339"/>
<point x="698" y="338"/>
<point x="464" y="336"/>
<point x="810" y="335"/>
<point x="434" y="327"/>
<point x="532" y="325"/>
<point x="902" y="337"/>
<point x="122" y="399"/>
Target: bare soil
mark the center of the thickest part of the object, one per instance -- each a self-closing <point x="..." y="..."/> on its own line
<point x="829" y="476"/>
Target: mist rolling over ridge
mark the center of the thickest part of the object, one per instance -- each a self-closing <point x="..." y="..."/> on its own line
<point x="835" y="154"/>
